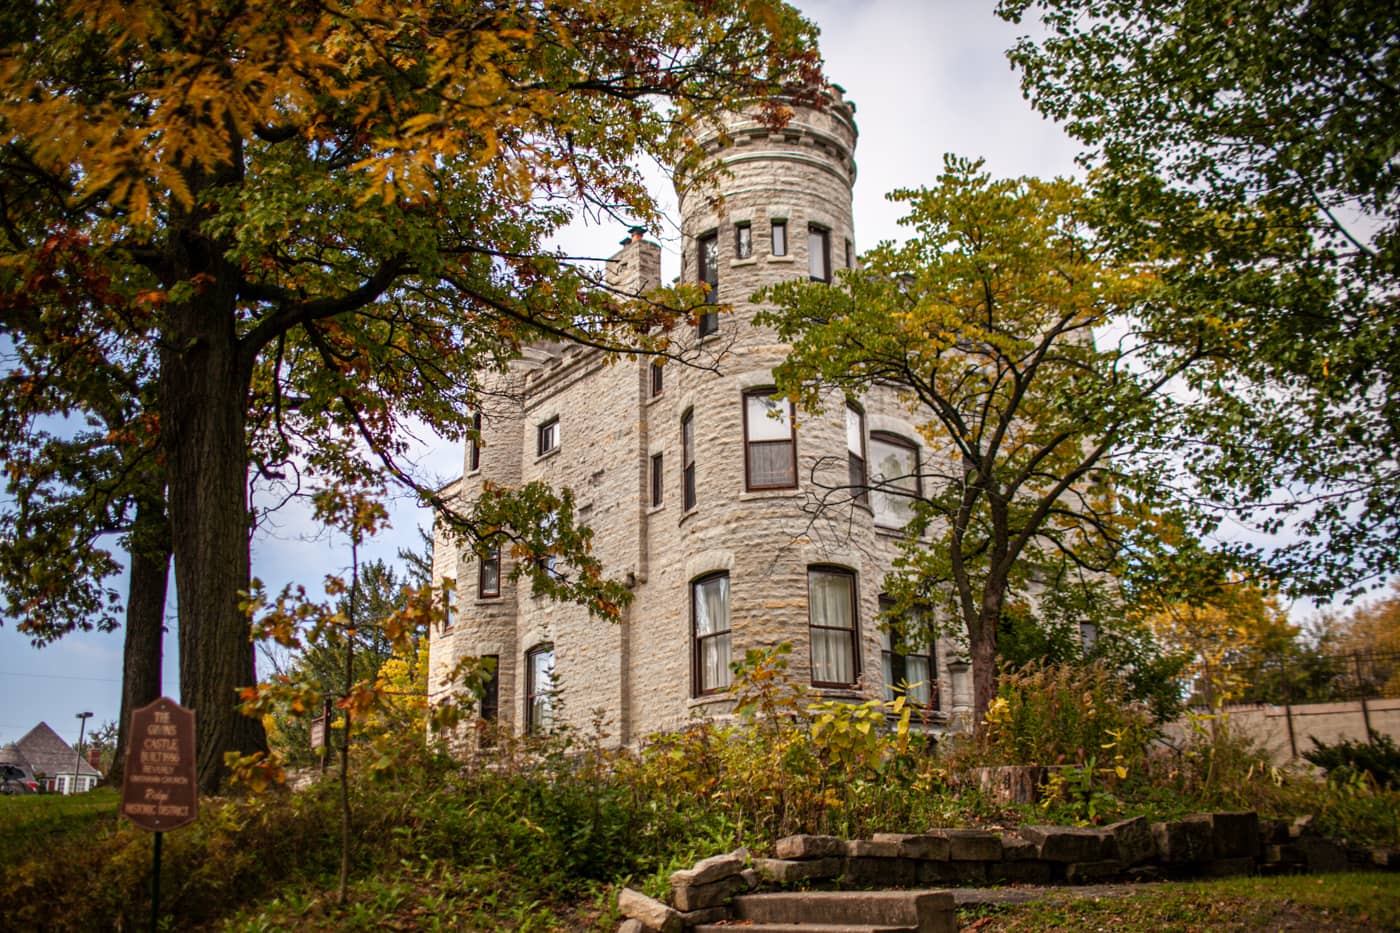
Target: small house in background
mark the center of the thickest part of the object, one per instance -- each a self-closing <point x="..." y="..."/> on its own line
<point x="55" y="764"/>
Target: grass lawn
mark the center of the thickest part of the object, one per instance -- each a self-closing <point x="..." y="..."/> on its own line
<point x="28" y="818"/>
<point x="1343" y="903"/>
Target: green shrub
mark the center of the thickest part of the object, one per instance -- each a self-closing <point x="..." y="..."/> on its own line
<point x="1343" y="761"/>
<point x="1052" y="714"/>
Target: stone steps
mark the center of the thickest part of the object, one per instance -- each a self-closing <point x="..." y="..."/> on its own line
<point x="801" y="928"/>
<point x="843" y="912"/>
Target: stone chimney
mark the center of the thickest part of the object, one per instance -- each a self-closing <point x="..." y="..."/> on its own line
<point x="636" y="268"/>
<point x="94" y="755"/>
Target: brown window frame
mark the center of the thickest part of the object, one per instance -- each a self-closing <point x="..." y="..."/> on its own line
<point x="658" y="379"/>
<point x="474" y="444"/>
<point x="699" y="687"/>
<point x="533" y="692"/>
<point x="743" y="240"/>
<point x="547" y="436"/>
<point x="707" y="273"/>
<point x="857" y="461"/>
<point x="491" y="559"/>
<point x="895" y="440"/>
<point x="823" y="235"/>
<point x="749" y="485"/>
<point x="688" y="460"/>
<point x="853" y="631"/>
<point x="777" y="238"/>
<point x="894" y="664"/>
<point x="658" y="480"/>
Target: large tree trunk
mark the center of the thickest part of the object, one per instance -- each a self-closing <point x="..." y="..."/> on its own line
<point x="204" y="390"/>
<point x="145" y="620"/>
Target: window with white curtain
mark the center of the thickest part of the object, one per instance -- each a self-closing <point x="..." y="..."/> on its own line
<point x="710" y="624"/>
<point x="831" y="608"/>
<point x="908" y="660"/>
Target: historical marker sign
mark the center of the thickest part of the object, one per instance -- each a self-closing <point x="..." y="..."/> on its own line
<point x="318" y="732"/>
<point x="159" y="791"/>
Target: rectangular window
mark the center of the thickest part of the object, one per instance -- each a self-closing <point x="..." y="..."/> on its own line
<point x="819" y="254"/>
<point x="855" y="454"/>
<point x="770" y="443"/>
<point x="894" y="471"/>
<point x="831" y="612"/>
<point x="743" y="241"/>
<point x="658" y="378"/>
<point x="491" y="690"/>
<point x="488" y="583"/>
<point x="908" y="661"/>
<point x="547" y="437"/>
<point x="688" y="459"/>
<point x="658" y="480"/>
<point x="474" y="445"/>
<point x="710" y="624"/>
<point x="449" y="601"/>
<point x="549" y="562"/>
<point x="709" y="275"/>
<point x="539" y="689"/>
<point x="779" y="238"/>
<point x="848" y="255"/>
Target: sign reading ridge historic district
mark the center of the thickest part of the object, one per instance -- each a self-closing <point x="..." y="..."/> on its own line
<point x="158" y="792"/>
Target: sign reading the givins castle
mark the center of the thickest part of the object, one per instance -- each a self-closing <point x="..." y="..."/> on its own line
<point x="158" y="793"/>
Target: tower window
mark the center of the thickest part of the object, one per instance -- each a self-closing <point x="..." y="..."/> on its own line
<point x="474" y="444"/>
<point x="709" y="275"/>
<point x="658" y="480"/>
<point x="831" y="608"/>
<point x="819" y="254"/>
<point x="710" y="627"/>
<point x="658" y="379"/>
<point x="539" y="689"/>
<point x="688" y="459"/>
<point x="894" y="470"/>
<point x="770" y="443"/>
<point x="779" y="238"/>
<point x="488" y="582"/>
<point x="743" y="241"/>
<point x="855" y="454"/>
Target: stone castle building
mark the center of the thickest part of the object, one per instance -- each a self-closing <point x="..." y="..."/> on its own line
<point x="701" y="489"/>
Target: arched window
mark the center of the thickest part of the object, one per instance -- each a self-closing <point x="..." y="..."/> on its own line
<point x="709" y="615"/>
<point x="894" y="474"/>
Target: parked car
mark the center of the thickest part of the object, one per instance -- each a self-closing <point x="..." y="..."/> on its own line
<point x="16" y="779"/>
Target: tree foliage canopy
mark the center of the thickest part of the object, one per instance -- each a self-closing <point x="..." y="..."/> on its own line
<point x="325" y="224"/>
<point x="1255" y="143"/>
<point x="1014" y="337"/>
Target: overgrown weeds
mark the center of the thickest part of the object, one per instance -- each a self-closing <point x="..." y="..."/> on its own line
<point x="535" y="833"/>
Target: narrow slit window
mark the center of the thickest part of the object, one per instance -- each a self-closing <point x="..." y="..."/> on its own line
<point x="779" y="238"/>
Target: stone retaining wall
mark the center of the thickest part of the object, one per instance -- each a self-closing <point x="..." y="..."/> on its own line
<point x="1200" y="845"/>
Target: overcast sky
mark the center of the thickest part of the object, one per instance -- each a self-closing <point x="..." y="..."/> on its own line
<point x="927" y="77"/>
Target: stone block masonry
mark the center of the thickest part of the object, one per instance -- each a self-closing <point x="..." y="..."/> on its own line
<point x="715" y="894"/>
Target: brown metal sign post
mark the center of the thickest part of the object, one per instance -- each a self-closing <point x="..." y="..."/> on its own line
<point x="159" y="791"/>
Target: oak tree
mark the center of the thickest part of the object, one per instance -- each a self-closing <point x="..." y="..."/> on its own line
<point x="333" y="217"/>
